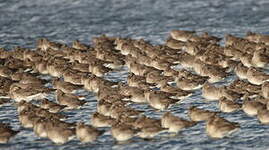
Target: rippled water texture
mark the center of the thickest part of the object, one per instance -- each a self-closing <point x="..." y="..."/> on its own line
<point x="24" y="21"/>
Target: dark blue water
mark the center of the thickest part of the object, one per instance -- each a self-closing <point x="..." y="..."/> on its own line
<point x="23" y="22"/>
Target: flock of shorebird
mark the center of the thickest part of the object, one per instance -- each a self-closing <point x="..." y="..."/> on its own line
<point x="153" y="80"/>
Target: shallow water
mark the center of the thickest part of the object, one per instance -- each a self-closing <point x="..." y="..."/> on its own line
<point x="22" y="22"/>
